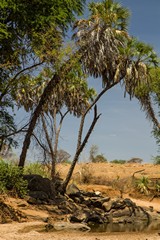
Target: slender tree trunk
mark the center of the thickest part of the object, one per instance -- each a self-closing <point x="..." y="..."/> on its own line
<point x="80" y="148"/>
<point x="52" y="155"/>
<point x="49" y="144"/>
<point x="47" y="92"/>
<point x="55" y="149"/>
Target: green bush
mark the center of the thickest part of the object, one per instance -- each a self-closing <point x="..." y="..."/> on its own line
<point x="142" y="184"/>
<point x="11" y="180"/>
<point x="36" y="168"/>
<point x="118" y="161"/>
<point x="100" y="158"/>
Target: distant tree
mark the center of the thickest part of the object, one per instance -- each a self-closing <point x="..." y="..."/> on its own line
<point x="100" y="158"/>
<point x="62" y="156"/>
<point x="118" y="161"/>
<point x="93" y="152"/>
<point x="135" y="160"/>
<point x="94" y="156"/>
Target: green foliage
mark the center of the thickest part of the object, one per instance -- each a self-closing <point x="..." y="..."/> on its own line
<point x="11" y="180"/>
<point x="142" y="184"/>
<point x="118" y="161"/>
<point x="156" y="160"/>
<point x="7" y="126"/>
<point x="111" y="12"/>
<point x="36" y="168"/>
<point x="3" y="189"/>
<point x="22" y="25"/>
<point x="100" y="158"/>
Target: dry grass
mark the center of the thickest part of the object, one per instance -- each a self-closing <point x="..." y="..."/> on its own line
<point x="112" y="179"/>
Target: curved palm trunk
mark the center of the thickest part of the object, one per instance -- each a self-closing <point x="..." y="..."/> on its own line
<point x="80" y="146"/>
<point x="47" y="91"/>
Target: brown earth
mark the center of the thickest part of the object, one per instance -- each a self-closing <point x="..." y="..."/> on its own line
<point x="109" y="179"/>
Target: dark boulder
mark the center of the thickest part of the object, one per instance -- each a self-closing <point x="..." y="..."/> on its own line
<point x="41" y="188"/>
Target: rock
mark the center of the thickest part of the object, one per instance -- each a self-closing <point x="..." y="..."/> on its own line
<point x="39" y="195"/>
<point x="38" y="183"/>
<point x="60" y="226"/>
<point x="98" y="193"/>
<point x="121" y="213"/>
<point x="95" y="218"/>
<point x="107" y="206"/>
<point x="105" y="199"/>
<point x="78" y="217"/>
<point x="34" y="201"/>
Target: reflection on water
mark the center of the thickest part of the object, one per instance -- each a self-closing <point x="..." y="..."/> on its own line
<point x="128" y="227"/>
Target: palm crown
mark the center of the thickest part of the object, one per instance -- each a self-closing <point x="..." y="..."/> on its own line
<point x="108" y="51"/>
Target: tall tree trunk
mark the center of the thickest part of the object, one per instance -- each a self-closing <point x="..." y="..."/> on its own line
<point x="80" y="148"/>
<point x="47" y="92"/>
<point x="50" y="147"/>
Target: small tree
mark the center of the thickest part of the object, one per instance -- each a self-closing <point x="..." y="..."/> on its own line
<point x="93" y="152"/>
<point x="94" y="156"/>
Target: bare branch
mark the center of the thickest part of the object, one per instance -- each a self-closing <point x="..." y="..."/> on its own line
<point x="16" y="132"/>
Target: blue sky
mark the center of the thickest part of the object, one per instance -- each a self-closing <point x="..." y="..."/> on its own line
<point x="122" y="131"/>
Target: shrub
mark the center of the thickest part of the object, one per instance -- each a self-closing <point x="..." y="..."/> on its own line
<point x="86" y="174"/>
<point x="142" y="184"/>
<point x="135" y="160"/>
<point x="118" y="161"/>
<point x="100" y="158"/>
<point x="36" y="168"/>
<point x="11" y="180"/>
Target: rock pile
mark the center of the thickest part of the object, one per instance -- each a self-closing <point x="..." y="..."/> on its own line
<point x="92" y="208"/>
<point x="87" y="207"/>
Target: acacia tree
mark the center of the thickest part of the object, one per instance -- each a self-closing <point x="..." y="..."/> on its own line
<point x="23" y="50"/>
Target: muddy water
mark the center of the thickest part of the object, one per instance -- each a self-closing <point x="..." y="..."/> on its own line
<point x="154" y="226"/>
<point x="128" y="227"/>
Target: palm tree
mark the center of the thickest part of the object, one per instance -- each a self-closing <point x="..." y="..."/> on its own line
<point x="107" y="51"/>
